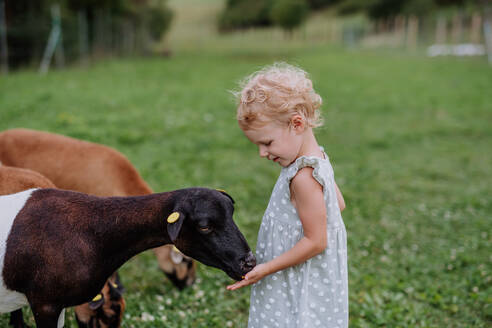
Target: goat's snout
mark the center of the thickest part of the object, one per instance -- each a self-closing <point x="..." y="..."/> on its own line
<point x="248" y="262"/>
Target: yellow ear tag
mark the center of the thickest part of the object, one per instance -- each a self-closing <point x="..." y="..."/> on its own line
<point x="176" y="249"/>
<point x="97" y="298"/>
<point x="221" y="190"/>
<point x="173" y="217"/>
<point x="114" y="285"/>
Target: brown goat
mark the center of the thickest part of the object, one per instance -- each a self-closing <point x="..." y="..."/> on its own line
<point x="14" y="179"/>
<point x="89" y="168"/>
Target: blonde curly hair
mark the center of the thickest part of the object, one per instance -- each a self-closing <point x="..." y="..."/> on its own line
<point x="276" y="93"/>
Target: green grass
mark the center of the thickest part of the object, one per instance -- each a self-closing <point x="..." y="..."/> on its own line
<point x="409" y="139"/>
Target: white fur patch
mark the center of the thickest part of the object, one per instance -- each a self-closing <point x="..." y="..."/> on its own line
<point x="10" y="206"/>
<point x="61" y="319"/>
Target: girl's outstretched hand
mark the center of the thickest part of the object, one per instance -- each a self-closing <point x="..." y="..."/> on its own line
<point x="255" y="275"/>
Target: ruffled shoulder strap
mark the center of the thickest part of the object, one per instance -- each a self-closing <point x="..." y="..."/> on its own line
<point x="307" y="161"/>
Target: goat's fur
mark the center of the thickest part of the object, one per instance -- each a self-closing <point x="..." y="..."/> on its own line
<point x="90" y="168"/>
<point x="13" y="180"/>
<point x="72" y="164"/>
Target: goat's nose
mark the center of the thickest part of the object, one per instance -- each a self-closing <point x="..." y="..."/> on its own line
<point x="249" y="262"/>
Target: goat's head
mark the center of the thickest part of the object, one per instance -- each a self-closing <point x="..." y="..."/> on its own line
<point x="201" y="226"/>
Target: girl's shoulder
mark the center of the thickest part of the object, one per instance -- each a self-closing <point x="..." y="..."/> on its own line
<point x="305" y="181"/>
<point x="320" y="168"/>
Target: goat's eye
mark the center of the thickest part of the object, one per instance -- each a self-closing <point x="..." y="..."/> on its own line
<point x="204" y="229"/>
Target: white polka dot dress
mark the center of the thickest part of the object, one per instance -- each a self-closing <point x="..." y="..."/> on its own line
<point x="311" y="294"/>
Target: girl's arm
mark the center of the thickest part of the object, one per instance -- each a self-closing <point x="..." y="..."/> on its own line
<point x="308" y="197"/>
<point x="341" y="201"/>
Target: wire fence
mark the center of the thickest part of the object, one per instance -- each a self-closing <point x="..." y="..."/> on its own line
<point x="409" y="32"/>
<point x="67" y="38"/>
<point x="461" y="34"/>
<point x="459" y="31"/>
<point x="80" y="37"/>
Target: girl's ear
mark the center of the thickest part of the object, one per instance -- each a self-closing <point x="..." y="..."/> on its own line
<point x="297" y="123"/>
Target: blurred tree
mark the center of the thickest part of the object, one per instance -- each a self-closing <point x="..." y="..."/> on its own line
<point x="154" y="13"/>
<point x="289" y="14"/>
<point x="418" y="7"/>
<point x="158" y="18"/>
<point x="316" y="4"/>
<point x="377" y="9"/>
<point x="29" y="22"/>
<point x="239" y="14"/>
<point x="347" y="7"/>
<point x="386" y="8"/>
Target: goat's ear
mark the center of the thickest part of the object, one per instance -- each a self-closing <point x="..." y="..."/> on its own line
<point x="115" y="293"/>
<point x="96" y="302"/>
<point x="119" y="284"/>
<point x="222" y="191"/>
<point x="174" y="224"/>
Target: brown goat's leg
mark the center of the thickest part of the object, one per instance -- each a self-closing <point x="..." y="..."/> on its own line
<point x="16" y="319"/>
<point x="47" y="316"/>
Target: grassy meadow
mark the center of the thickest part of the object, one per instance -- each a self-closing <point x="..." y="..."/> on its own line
<point x="409" y="138"/>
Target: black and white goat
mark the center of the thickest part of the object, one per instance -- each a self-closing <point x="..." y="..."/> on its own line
<point x="58" y="247"/>
<point x="104" y="312"/>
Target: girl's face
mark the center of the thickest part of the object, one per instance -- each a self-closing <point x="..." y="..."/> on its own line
<point x="281" y="144"/>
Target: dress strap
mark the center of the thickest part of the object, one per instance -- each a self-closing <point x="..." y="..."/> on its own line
<point x="307" y="161"/>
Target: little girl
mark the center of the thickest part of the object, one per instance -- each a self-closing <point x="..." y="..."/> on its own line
<point x="301" y="278"/>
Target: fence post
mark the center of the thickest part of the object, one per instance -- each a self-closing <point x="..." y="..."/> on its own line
<point x="457" y="29"/>
<point x="487" y="32"/>
<point x="59" y="52"/>
<point x="333" y="31"/>
<point x="475" y="28"/>
<point x="98" y="44"/>
<point x="53" y="39"/>
<point x="83" y="37"/>
<point x="412" y="32"/>
<point x="441" y="30"/>
<point x="4" y="53"/>
<point x="108" y="36"/>
<point x="129" y="38"/>
<point x="400" y="30"/>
